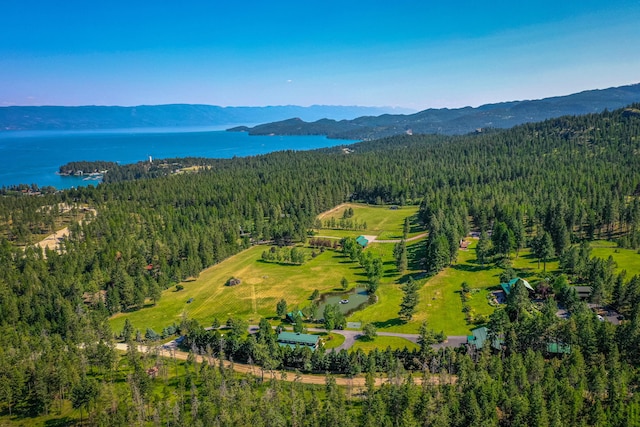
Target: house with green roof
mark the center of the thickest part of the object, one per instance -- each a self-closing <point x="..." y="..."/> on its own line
<point x="362" y="241"/>
<point x="480" y="336"/>
<point x="291" y="316"/>
<point x="558" y="348"/>
<point x="296" y="339"/>
<point x="506" y="287"/>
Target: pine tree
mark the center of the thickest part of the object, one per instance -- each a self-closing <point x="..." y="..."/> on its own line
<point x="483" y="248"/>
<point x="409" y="300"/>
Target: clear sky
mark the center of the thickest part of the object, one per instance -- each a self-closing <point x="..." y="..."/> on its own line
<point x="415" y="54"/>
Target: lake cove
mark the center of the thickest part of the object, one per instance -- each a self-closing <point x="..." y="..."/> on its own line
<point x="33" y="157"/>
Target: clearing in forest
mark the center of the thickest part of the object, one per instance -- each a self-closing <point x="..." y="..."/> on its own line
<point x="263" y="285"/>
<point x="384" y="222"/>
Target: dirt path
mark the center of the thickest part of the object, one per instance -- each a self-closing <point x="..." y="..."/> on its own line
<point x="357" y="383"/>
<point x="330" y="211"/>
<point x="53" y="241"/>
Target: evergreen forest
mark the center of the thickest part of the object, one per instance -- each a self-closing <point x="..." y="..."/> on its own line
<point x="549" y="186"/>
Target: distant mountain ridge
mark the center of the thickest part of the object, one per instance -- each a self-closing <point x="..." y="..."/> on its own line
<point x="459" y="120"/>
<point x="170" y="115"/>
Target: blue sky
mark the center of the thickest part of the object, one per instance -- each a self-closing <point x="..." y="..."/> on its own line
<point x="415" y="54"/>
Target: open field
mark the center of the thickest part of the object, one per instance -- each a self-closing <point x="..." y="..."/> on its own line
<point x="627" y="259"/>
<point x="440" y="304"/>
<point x="263" y="285"/>
<point x="383" y="222"/>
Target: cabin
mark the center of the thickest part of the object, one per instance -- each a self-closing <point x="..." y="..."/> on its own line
<point x="296" y="339"/>
<point x="506" y="287"/>
<point x="291" y="316"/>
<point x="362" y="241"/>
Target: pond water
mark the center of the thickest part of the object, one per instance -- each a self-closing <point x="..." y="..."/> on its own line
<point x="356" y="297"/>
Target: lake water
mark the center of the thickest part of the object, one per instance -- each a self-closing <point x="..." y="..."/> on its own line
<point x="33" y="157"/>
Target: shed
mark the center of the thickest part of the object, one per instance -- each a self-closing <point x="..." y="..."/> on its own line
<point x="362" y="241"/>
<point x="294" y="339"/>
<point x="506" y="287"/>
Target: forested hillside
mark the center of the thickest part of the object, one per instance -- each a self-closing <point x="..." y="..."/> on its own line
<point x="456" y="121"/>
<point x="573" y="178"/>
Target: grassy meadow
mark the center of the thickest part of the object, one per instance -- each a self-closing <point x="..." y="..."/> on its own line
<point x="626" y="259"/>
<point x="264" y="284"/>
<point x="382" y="221"/>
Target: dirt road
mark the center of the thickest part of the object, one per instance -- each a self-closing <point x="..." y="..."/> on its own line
<point x="356" y="383"/>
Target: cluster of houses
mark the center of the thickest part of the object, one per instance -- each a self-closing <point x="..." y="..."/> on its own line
<point x="480" y="337"/>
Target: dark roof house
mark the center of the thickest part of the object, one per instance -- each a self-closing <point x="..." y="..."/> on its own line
<point x="583" y="292"/>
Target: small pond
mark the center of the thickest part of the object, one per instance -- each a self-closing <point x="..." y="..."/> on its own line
<point x="356" y="297"/>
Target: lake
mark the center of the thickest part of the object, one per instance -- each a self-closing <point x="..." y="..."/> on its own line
<point x="33" y="157"/>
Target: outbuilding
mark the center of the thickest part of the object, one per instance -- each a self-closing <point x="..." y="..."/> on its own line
<point x="362" y="241"/>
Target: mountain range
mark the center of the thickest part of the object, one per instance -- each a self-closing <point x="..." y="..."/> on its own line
<point x="458" y="120"/>
<point x="171" y="115"/>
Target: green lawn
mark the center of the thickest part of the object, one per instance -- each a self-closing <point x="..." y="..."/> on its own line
<point x="382" y="221"/>
<point x="627" y="259"/>
<point x="440" y="304"/>
<point x="331" y="340"/>
<point x="384" y="314"/>
<point x="263" y="285"/>
<point x="382" y="343"/>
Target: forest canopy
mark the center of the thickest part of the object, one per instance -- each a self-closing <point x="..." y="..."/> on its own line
<point x="575" y="178"/>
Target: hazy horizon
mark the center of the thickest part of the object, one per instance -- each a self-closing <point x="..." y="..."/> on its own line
<point x="408" y="54"/>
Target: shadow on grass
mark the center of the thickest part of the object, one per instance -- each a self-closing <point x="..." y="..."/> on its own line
<point x="470" y="268"/>
<point x="284" y="264"/>
<point x="415" y="255"/>
<point x="388" y="323"/>
<point x="525" y="273"/>
<point x="417" y="276"/>
<point x="60" y="422"/>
